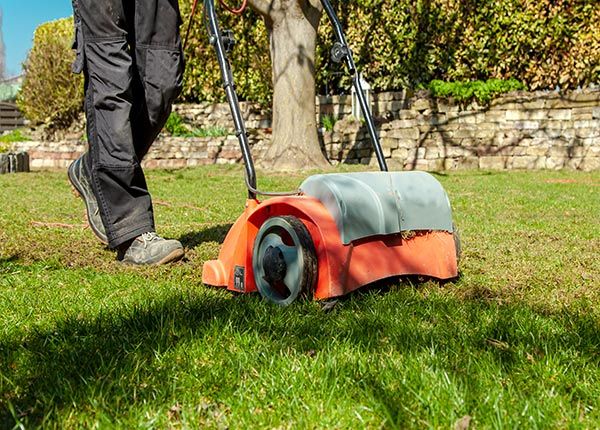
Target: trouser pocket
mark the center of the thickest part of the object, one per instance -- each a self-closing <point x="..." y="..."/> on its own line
<point x="163" y="80"/>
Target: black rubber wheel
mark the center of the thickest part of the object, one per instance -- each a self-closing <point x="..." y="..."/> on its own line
<point x="284" y="260"/>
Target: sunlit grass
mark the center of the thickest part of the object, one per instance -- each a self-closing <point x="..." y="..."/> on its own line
<point x="515" y="342"/>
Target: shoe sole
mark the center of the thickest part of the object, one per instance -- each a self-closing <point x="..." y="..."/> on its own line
<point x="174" y="256"/>
<point x="77" y="190"/>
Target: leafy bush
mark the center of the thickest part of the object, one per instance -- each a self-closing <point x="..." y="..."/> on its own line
<point x="328" y="122"/>
<point x="464" y="91"/>
<point x="215" y="131"/>
<point x="51" y="93"/>
<point x="250" y="59"/>
<point x="397" y="43"/>
<point x="402" y="43"/>
<point x="12" y="137"/>
<point x="177" y="127"/>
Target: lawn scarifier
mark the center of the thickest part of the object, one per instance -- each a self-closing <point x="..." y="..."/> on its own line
<point x="338" y="232"/>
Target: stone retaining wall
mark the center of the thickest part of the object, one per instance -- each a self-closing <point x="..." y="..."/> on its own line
<point x="517" y="131"/>
<point x="542" y="130"/>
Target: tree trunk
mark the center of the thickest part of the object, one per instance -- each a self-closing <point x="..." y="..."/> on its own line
<point x="292" y="26"/>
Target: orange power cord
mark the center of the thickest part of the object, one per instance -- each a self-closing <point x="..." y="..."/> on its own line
<point x="237" y="11"/>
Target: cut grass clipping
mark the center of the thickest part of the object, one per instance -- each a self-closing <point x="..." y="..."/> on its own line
<point x="514" y="342"/>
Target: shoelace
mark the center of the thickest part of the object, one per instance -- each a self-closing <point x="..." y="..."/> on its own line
<point x="149" y="237"/>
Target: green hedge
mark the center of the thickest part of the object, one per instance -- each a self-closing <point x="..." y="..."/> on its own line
<point x="51" y="93"/>
<point x="400" y="43"/>
<point x="542" y="43"/>
<point x="482" y="91"/>
<point x="250" y="59"/>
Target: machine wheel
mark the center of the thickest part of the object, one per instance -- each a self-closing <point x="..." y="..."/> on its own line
<point x="284" y="260"/>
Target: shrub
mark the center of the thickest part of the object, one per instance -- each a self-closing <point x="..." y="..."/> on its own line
<point x="483" y="92"/>
<point x="250" y="59"/>
<point x="328" y="122"/>
<point x="51" y="93"/>
<point x="402" y="43"/>
<point x="397" y="43"/>
<point x="177" y="127"/>
<point x="12" y="137"/>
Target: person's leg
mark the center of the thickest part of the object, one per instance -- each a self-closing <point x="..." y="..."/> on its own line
<point x="159" y="64"/>
<point x="115" y="173"/>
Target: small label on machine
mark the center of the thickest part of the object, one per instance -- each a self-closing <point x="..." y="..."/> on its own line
<point x="238" y="278"/>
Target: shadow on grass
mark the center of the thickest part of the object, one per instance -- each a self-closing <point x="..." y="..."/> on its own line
<point x="46" y="370"/>
<point x="213" y="234"/>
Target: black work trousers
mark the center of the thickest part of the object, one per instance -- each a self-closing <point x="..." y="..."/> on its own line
<point x="130" y="53"/>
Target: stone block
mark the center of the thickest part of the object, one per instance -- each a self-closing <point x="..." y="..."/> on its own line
<point x="574" y="163"/>
<point x="492" y="163"/>
<point x="446" y="107"/>
<point x="590" y="163"/>
<point x="421" y="104"/>
<point x="534" y="104"/>
<point x="405" y="133"/>
<point x="524" y="162"/>
<point x="463" y="133"/>
<point x="394" y="165"/>
<point x="558" y="151"/>
<point x="400" y="153"/>
<point x="423" y="165"/>
<point x="538" y="150"/>
<point x="483" y="133"/>
<point x="438" y="119"/>
<point x="587" y="132"/>
<point x="555" y="163"/>
<point x="591" y="142"/>
<point x="587" y="123"/>
<point x="407" y="114"/>
<point x="389" y="142"/>
<point x="523" y="115"/>
<point x="407" y="143"/>
<point x="403" y="123"/>
<point x="515" y="115"/>
<point x="432" y="153"/>
<point x="582" y="114"/>
<point x="561" y="114"/>
<point x="591" y="96"/>
<point x="465" y="162"/>
<point x="456" y="151"/>
<point x="526" y="125"/>
<point x="467" y="118"/>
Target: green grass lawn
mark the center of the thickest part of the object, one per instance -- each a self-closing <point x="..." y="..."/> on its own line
<point x="515" y="342"/>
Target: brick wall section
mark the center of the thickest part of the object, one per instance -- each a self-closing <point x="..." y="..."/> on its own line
<point x="517" y="131"/>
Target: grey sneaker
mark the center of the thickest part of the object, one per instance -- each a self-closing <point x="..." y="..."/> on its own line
<point x="151" y="249"/>
<point x="81" y="184"/>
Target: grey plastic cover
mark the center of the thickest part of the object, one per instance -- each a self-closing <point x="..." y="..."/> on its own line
<point x="379" y="203"/>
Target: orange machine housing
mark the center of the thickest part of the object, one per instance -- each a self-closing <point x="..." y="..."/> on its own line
<point x="341" y="268"/>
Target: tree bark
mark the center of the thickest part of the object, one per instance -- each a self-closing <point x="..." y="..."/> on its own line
<point x="292" y="27"/>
